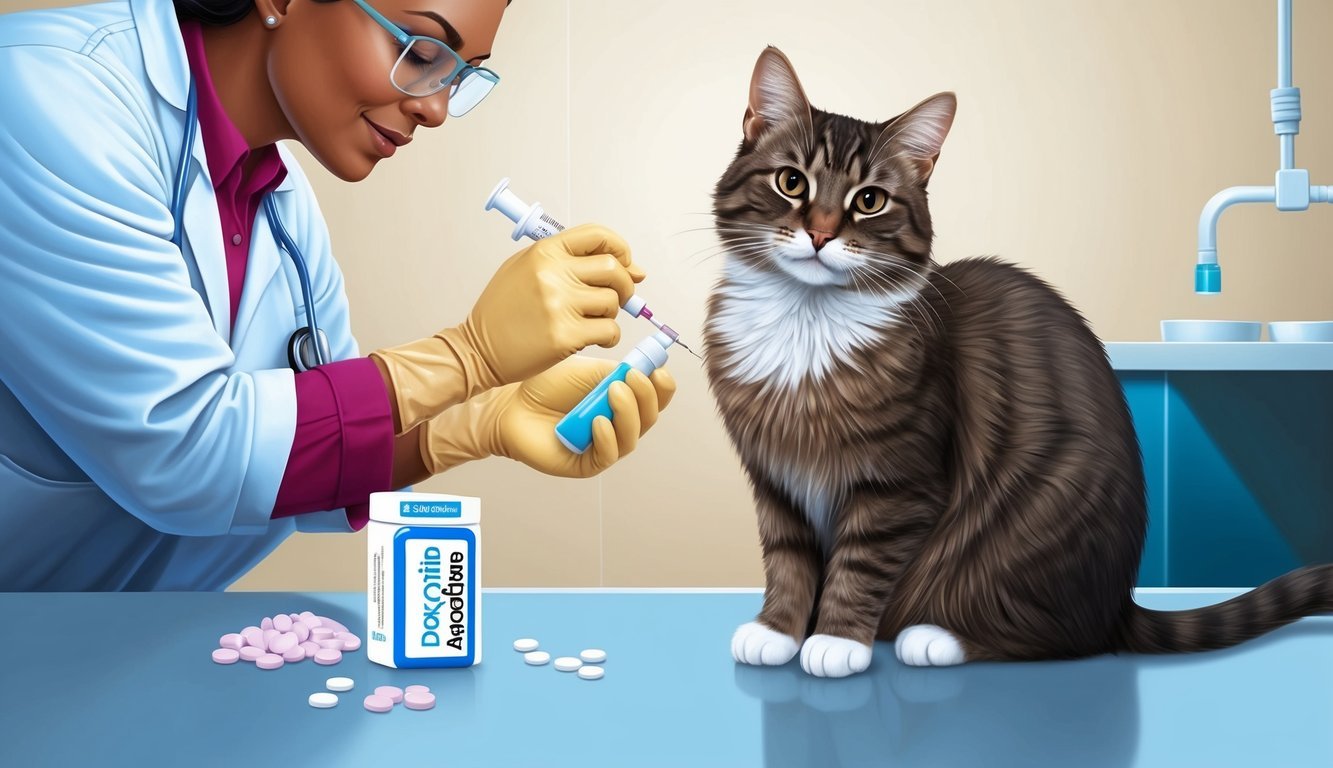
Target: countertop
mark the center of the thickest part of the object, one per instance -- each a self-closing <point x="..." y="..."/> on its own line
<point x="1220" y="356"/>
<point x="126" y="679"/>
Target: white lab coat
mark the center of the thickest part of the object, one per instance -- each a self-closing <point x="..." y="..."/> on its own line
<point x="142" y="441"/>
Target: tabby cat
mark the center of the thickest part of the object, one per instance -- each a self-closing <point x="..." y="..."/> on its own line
<point x="941" y="455"/>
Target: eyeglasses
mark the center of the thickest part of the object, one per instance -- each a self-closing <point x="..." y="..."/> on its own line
<point x="427" y="66"/>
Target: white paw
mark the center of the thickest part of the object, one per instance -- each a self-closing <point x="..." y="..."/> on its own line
<point x="830" y="656"/>
<point x="755" y="643"/>
<point x="926" y="645"/>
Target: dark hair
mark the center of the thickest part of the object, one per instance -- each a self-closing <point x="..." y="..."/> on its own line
<point x="218" y="13"/>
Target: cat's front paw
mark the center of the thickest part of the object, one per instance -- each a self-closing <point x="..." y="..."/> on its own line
<point x="830" y="656"/>
<point x="755" y="643"/>
<point x="926" y="645"/>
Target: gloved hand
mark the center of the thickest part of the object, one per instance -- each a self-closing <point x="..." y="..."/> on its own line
<point x="518" y="421"/>
<point x="545" y="303"/>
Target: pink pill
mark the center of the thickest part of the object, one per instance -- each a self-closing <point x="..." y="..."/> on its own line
<point x="282" y="622"/>
<point x="418" y="700"/>
<point x="254" y="636"/>
<point x="294" y="654"/>
<point x="226" y="655"/>
<point x="311" y="648"/>
<point x="328" y="656"/>
<point x="336" y="626"/>
<point x="310" y="619"/>
<point x="321" y="633"/>
<point x="376" y="703"/>
<point x="266" y="624"/>
<point x="251" y="653"/>
<point x="294" y="616"/>
<point x="284" y="642"/>
<point x="233" y="641"/>
<point x="350" y="642"/>
<point x="269" y="661"/>
<point x="391" y="692"/>
<point x="336" y="645"/>
<point x="301" y="630"/>
<point x="269" y="636"/>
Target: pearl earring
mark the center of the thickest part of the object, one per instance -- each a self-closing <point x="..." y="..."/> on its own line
<point x="272" y="21"/>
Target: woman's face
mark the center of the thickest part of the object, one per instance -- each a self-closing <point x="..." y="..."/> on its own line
<point x="329" y="65"/>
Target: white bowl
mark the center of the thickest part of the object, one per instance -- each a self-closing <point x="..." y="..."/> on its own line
<point x="1313" y="330"/>
<point x="1211" y="330"/>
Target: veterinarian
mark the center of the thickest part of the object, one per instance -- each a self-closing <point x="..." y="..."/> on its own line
<point x="179" y="385"/>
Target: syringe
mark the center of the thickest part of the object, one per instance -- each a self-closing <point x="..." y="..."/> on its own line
<point x="533" y="222"/>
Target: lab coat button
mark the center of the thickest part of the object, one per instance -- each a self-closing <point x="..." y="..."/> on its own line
<point x="236" y="239"/>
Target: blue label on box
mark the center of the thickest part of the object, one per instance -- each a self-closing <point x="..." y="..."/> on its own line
<point x="430" y="509"/>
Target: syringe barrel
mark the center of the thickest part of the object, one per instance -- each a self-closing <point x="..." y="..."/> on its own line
<point x="575" y="429"/>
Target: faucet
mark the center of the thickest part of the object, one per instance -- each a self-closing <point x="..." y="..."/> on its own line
<point x="1291" y="189"/>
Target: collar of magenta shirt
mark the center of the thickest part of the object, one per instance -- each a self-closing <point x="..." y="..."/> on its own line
<point x="224" y="146"/>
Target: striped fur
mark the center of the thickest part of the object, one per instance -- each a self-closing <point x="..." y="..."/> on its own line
<point x="943" y="445"/>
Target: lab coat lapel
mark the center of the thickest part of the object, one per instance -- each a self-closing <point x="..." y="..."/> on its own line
<point x="203" y="234"/>
<point x="264" y="258"/>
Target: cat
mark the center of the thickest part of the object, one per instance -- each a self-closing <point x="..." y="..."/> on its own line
<point x="940" y="455"/>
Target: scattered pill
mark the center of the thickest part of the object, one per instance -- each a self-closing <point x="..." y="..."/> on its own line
<point x="328" y="656"/>
<point x="591" y="672"/>
<point x="333" y="643"/>
<point x="321" y="633"/>
<point x="339" y="683"/>
<point x="536" y="658"/>
<point x="336" y="626"/>
<point x="266" y="624"/>
<point x="254" y="636"/>
<point x="390" y="692"/>
<point x="284" y="642"/>
<point x="295" y="617"/>
<point x="311" y="648"/>
<point x="269" y="636"/>
<point x="323" y="700"/>
<point x="593" y="656"/>
<point x="419" y="700"/>
<point x="233" y="641"/>
<point x="269" y="661"/>
<point x="309" y="619"/>
<point x="282" y="622"/>
<point x="376" y="703"/>
<point x="226" y="656"/>
<point x="567" y="664"/>
<point x="301" y="631"/>
<point x="350" y="642"/>
<point x="251" y="653"/>
<point x="525" y="645"/>
<point x="294" y="654"/>
<point x="416" y="689"/>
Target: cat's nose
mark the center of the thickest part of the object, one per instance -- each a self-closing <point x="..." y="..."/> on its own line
<point x="819" y="237"/>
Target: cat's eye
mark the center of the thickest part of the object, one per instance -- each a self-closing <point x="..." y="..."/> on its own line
<point x="870" y="200"/>
<point x="791" y="182"/>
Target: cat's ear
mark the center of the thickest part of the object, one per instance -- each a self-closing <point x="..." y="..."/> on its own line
<point x="775" y="96"/>
<point x="916" y="135"/>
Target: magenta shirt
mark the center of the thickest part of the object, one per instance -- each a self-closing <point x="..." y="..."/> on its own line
<point x="343" y="448"/>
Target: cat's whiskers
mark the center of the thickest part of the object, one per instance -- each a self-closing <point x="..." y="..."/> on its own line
<point x="915" y="298"/>
<point x="860" y="278"/>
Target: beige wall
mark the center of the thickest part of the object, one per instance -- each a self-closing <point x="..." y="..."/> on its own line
<point x="1089" y="136"/>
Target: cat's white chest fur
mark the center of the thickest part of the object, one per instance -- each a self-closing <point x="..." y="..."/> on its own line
<point x="783" y="331"/>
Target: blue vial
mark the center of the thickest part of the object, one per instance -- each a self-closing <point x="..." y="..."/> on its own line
<point x="575" y="429"/>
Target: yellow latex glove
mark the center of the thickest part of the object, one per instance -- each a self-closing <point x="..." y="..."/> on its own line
<point x="518" y="421"/>
<point x="545" y="303"/>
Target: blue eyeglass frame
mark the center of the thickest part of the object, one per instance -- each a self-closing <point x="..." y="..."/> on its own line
<point x="402" y="38"/>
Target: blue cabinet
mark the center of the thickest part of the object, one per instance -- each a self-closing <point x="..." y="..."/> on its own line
<point x="1237" y="443"/>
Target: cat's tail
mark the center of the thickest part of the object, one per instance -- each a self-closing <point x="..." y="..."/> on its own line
<point x="1293" y="595"/>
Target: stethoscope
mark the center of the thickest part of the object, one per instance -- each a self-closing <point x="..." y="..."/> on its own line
<point x="302" y="354"/>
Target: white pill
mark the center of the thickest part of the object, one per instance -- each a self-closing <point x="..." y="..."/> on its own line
<point x="323" y="700"/>
<point x="525" y="645"/>
<point x="567" y="664"/>
<point x="593" y="656"/>
<point x="339" y="683"/>
<point x="536" y="658"/>
<point x="591" y="673"/>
